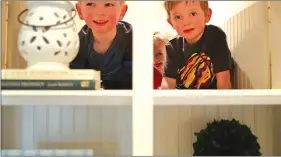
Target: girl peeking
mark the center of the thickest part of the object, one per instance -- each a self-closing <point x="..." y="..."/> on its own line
<point x="159" y="50"/>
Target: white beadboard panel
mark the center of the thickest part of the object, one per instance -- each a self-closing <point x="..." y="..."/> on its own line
<point x="248" y="38"/>
<point x="228" y="8"/>
<point x="275" y="34"/>
<point x="185" y="130"/>
<point x="53" y="123"/>
<point x="26" y="128"/>
<point x="175" y="126"/>
<point x="105" y="129"/>
<point x="41" y="122"/>
<point x="68" y="120"/>
<point x="277" y="129"/>
<point x="10" y="126"/>
<point x="125" y="123"/>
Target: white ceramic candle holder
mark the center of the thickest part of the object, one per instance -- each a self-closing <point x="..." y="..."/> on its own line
<point x="48" y="38"/>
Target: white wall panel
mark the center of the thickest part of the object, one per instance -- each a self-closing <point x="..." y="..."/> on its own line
<point x="248" y="38"/>
<point x="175" y="126"/>
<point x="105" y="130"/>
<point x="275" y="34"/>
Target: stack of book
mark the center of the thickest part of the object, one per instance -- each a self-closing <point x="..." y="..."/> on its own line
<point x="49" y="80"/>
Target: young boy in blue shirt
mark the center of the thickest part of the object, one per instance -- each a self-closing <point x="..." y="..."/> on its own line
<point x="105" y="42"/>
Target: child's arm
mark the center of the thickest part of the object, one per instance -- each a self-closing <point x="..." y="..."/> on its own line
<point x="170" y="69"/>
<point x="223" y="80"/>
<point x="168" y="83"/>
<point x="221" y="57"/>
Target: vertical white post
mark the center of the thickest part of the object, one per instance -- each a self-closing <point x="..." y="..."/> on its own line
<point x="142" y="78"/>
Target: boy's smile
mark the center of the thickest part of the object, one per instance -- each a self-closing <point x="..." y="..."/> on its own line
<point x="101" y="16"/>
<point x="100" y="22"/>
<point x="188" y="31"/>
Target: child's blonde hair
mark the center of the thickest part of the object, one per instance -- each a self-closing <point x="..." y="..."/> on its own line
<point x="159" y="39"/>
<point x="169" y="5"/>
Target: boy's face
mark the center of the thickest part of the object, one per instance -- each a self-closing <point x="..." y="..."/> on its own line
<point x="189" y="20"/>
<point x="101" y="16"/>
<point x="159" y="57"/>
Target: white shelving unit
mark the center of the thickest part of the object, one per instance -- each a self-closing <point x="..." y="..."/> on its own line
<point x="143" y="99"/>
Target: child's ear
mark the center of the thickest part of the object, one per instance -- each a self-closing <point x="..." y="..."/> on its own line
<point x="123" y="12"/>
<point x="208" y="15"/>
<point x="78" y="9"/>
<point x="169" y="21"/>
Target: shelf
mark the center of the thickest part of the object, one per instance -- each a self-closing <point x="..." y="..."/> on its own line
<point x="160" y="97"/>
<point x="217" y="97"/>
<point x="97" y="97"/>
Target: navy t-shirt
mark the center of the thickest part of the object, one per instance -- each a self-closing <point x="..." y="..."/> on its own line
<point x="195" y="66"/>
<point x="115" y="64"/>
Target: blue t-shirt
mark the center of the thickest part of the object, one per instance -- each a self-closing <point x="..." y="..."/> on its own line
<point x="115" y="64"/>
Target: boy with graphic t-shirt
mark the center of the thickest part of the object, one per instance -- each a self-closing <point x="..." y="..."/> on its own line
<point x="105" y="42"/>
<point x="199" y="58"/>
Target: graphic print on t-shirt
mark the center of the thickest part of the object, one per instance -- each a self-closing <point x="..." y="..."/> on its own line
<point x="198" y="72"/>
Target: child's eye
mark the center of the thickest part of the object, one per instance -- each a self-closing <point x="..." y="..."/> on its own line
<point x="193" y="13"/>
<point x="109" y="5"/>
<point x="158" y="54"/>
<point x="90" y="4"/>
<point x="177" y="17"/>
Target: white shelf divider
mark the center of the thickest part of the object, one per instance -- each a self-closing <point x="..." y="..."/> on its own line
<point x="58" y="97"/>
<point x="217" y="97"/>
<point x="142" y="78"/>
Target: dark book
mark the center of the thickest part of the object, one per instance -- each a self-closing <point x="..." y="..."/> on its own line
<point x="48" y="84"/>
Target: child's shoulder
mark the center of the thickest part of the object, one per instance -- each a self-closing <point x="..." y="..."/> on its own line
<point x="84" y="34"/>
<point x="125" y="27"/>
<point x="176" y="38"/>
<point x="214" y="31"/>
<point x="174" y="42"/>
<point x="84" y="30"/>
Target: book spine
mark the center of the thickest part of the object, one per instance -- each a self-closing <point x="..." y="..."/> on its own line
<point x="48" y="84"/>
<point x="12" y="74"/>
